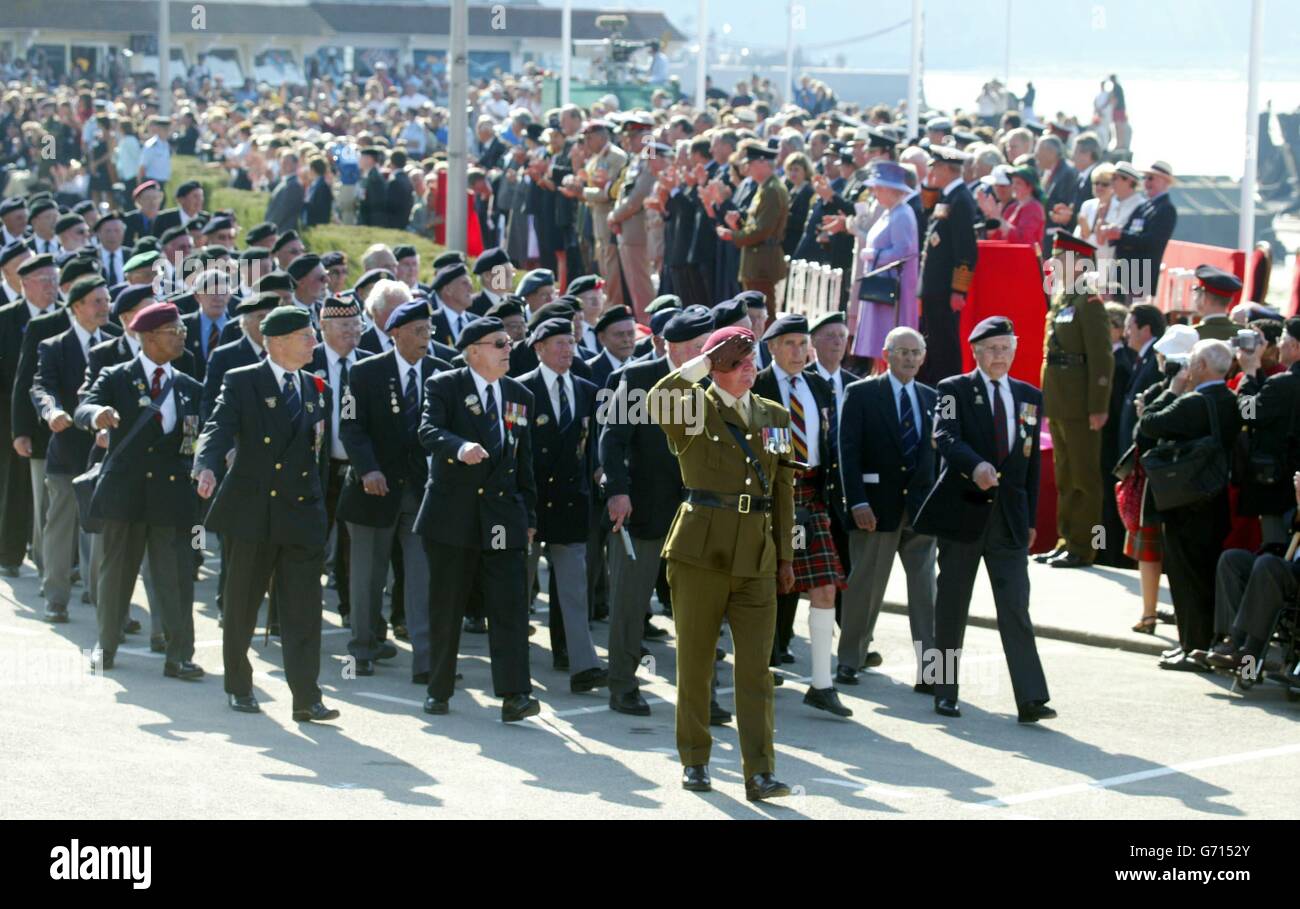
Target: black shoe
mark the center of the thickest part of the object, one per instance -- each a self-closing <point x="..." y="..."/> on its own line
<point x="346" y="620"/>
<point x="401" y="633"/>
<point x="436" y="706"/>
<point x="131" y="627"/>
<point x="630" y="702"/>
<point x="826" y="699"/>
<point x="762" y="786"/>
<point x="244" y="703"/>
<point x="316" y="713"/>
<point x="846" y="675"/>
<point x="560" y="661"/>
<point x="1172" y="652"/>
<point x="56" y="615"/>
<point x="652" y="633"/>
<point x="420" y="678"/>
<point x="273" y="629"/>
<point x="600" y="613"/>
<point x="1032" y="713"/>
<point x="873" y="660"/>
<point x="589" y="679"/>
<point x="475" y="626"/>
<point x="777" y="680"/>
<point x="1166" y="616"/>
<point x="365" y="667"/>
<point x="386" y="651"/>
<point x="158" y="643"/>
<point x="100" y="661"/>
<point x="185" y="670"/>
<point x="696" y="779"/>
<point x="1182" y="663"/>
<point x="519" y="707"/>
<point x="923" y="688"/>
<point x="786" y="656"/>
<point x="947" y="707"/>
<point x="718" y="716"/>
<point x="719" y="654"/>
<point x="1068" y="560"/>
<point x="9" y="571"/>
<point x="1048" y="556"/>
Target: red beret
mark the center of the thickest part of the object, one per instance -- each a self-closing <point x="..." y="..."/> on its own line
<point x="155" y="315"/>
<point x="731" y="331"/>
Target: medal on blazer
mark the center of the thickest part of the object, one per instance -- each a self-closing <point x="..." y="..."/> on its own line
<point x="514" y="414"/>
<point x="1029" y="445"/>
<point x="471" y="401"/>
<point x="1029" y="414"/>
<point x="941" y="211"/>
<point x="270" y="402"/>
<point x="189" y="434"/>
<point x="543" y="419"/>
<point x="144" y="401"/>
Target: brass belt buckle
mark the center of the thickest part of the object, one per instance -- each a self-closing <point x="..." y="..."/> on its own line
<point x="743" y="506"/>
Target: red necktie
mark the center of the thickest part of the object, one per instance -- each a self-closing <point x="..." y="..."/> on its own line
<point x="214" y="335"/>
<point x="155" y="389"/>
<point x="1000" y="423"/>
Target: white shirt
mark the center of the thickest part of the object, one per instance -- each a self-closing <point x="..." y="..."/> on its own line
<point x="1119" y="212"/>
<point x="483" y="385"/>
<point x="811" y="413"/>
<point x="1004" y="386"/>
<point x="117" y="262"/>
<point x="11" y="292"/>
<point x="33" y="312"/>
<point x="613" y="360"/>
<point x="332" y="361"/>
<point x="169" y="403"/>
<point x="404" y="370"/>
<point x="589" y="336"/>
<point x="455" y="321"/>
<point x="85" y="338"/>
<point x="556" y="385"/>
<point x="156" y="159"/>
<point x="280" y="372"/>
<point x="50" y="246"/>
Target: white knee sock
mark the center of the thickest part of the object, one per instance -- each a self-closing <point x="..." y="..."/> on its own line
<point x="821" y="629"/>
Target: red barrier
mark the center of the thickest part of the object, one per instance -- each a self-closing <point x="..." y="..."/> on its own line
<point x="1008" y="282"/>
<point x="1294" y="305"/>
<point x="1180" y="260"/>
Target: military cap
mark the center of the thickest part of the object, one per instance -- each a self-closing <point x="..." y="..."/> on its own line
<point x="35" y="263"/>
<point x="303" y="265"/>
<point x="331" y="259"/>
<point x="1217" y="281"/>
<point x="146" y="185"/>
<point x="11" y="205"/>
<point x="172" y="234"/>
<point x="729" y="312"/>
<point x="67" y="222"/>
<point x="534" y="281"/>
<point x="556" y="309"/>
<point x="756" y="152"/>
<point x="550" y="328"/>
<point x="584" y="283"/>
<point x="12" y="251"/>
<point x="613" y="316"/>
<point x="660" y="303"/>
<point x="789" y="324"/>
<point x="259" y="302"/>
<point x="216" y="223"/>
<point x="659" y="321"/>
<point x="77" y="267"/>
<point x="83" y="286"/>
<point x="949" y="154"/>
<point x="187" y="187"/>
<point x="154" y="316"/>
<point x="373" y="152"/>
<point x="144" y="245"/>
<point x="272" y="281"/>
<point x="212" y="252"/>
<point x="285" y="320"/>
<point x="662" y="150"/>
<point x="831" y="318"/>
<point x="489" y="259"/>
<point x="451" y="256"/>
<point x="284" y="240"/>
<point x="1065" y="241"/>
<point x="259" y="232"/>
<point x="753" y="299"/>
<point x="197" y="223"/>
<point x="404" y="251"/>
<point x="508" y="306"/>
<point x="721" y="335"/>
<point x="141" y="260"/>
<point x="938" y="125"/>
<point x="40" y="207"/>
<point x="129" y="297"/>
<point x="337" y="308"/>
<point x="110" y="216"/>
<point x="478" y="330"/>
<point x="688" y="323"/>
<point x="992" y="327"/>
<point x="370" y="277"/>
<point x="410" y="311"/>
<point x="254" y="252"/>
<point x="84" y="206"/>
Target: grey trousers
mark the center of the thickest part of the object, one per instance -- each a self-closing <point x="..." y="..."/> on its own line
<point x="171" y="564"/>
<point x="631" y="582"/>
<point x="1249" y="592"/>
<point x="872" y="556"/>
<point x="568" y="563"/>
<point x="40" y="503"/>
<point x="370" y="550"/>
<point x="59" y="539"/>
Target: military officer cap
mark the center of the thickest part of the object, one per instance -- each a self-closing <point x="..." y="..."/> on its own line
<point x="375" y="274"/>
<point x="284" y="240"/>
<point x="613" y="316"/>
<point x="273" y="280"/>
<point x="67" y="222"/>
<point x="336" y="308"/>
<point x="109" y="218"/>
<point x="83" y="206"/>
<point x="187" y="187"/>
<point x="508" y="306"/>
<point x="256" y="253"/>
<point x="331" y="259"/>
<point x="449" y="273"/>
<point x="556" y="309"/>
<point x="789" y="324"/>
<point x="878" y="139"/>
<point x="141" y="260"/>
<point x="303" y="265"/>
<point x="1217" y="281"/>
<point x="489" y="259"/>
<point x="155" y="316"/>
<point x="451" y="257"/>
<point x="660" y="303"/>
<point x="992" y="327"/>
<point x="129" y="298"/>
<point x="938" y="125"/>
<point x="11" y="205"/>
<point x="12" y="251"/>
<point x="405" y="251"/>
<point x="534" y="281"/>
<point x="756" y="152"/>
<point x="659" y="321"/>
<point x="753" y="299"/>
<point x="35" y="263"/>
<point x="1065" y="241"/>
<point x="585" y="283"/>
<point x="171" y="234"/>
<point x="550" y="328"/>
<point x="478" y="330"/>
<point x="217" y="223"/>
<point x="285" y="320"/>
<point x="410" y="311"/>
<point x="831" y="318"/>
<point x="40" y="207"/>
<point x="948" y="154"/>
<point x="259" y="232"/>
<point x="688" y="324"/>
<point x="77" y="267"/>
<point x="729" y="312"/>
<point x="83" y="286"/>
<point x="260" y="302"/>
<point x="658" y="149"/>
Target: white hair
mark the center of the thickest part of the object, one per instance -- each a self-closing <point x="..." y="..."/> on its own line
<point x="1216" y="355"/>
<point x="897" y="334"/>
<point x="383" y="292"/>
<point x="374" y="249"/>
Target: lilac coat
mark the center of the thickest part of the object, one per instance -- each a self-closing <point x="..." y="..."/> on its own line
<point x="891" y="238"/>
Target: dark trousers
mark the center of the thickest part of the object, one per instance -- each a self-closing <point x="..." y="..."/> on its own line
<point x="555" y="615"/>
<point x="342" y="542"/>
<point x="1193" y="538"/>
<point x="502" y="576"/>
<point x="840" y="537"/>
<point x="787" y="605"/>
<point x="1006" y="559"/>
<point x="943" y="349"/>
<point x="171" y="572"/>
<point x="691" y="286"/>
<point x="297" y="569"/>
<point x="1251" y="592"/>
<point x="15" y="504"/>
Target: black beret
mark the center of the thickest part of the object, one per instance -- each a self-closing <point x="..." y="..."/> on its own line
<point x="789" y="324"/>
<point x="13" y="251"/>
<point x="145" y="244"/>
<point x="254" y="252"/>
<point x="556" y="309"/>
<point x="449" y="257"/>
<point x="729" y="312"/>
<point x="688" y="324"/>
<point x="534" y="281"/>
<point x="76" y="267"/>
<point x="129" y="297"/>
<point x="405" y="251"/>
<point x="44" y="260"/>
<point x="489" y="259"/>
<point x="659" y="321"/>
<point x="83" y="206"/>
<point x="551" y="328"/>
<point x="753" y="299"/>
<point x="371" y="277"/>
<point x="331" y="259"/>
<point x="612" y="316"/>
<point x="478" y="330"/>
<point x="259" y="232"/>
<point x="992" y="327"/>
<point x="187" y="187"/>
<point x="67" y="222"/>
<point x="273" y="280"/>
<point x="831" y="318"/>
<point x="196" y="223"/>
<point x="41" y="207"/>
<point x="581" y="285"/>
<point x="411" y="311"/>
<point x="217" y="223"/>
<point x="448" y="274"/>
<point x="260" y="302"/>
<point x="111" y="216"/>
<point x="303" y="265"/>
<point x="83" y="286"/>
<point x="509" y="306"/>
<point x="284" y="240"/>
<point x="11" y="205"/>
<point x="285" y="320"/>
<point x="171" y="234"/>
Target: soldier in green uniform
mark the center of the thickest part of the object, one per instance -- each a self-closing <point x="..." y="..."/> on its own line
<point x="1213" y="295"/>
<point x="762" y="260"/>
<point x="1077" y="366"/>
<point x="730" y="543"/>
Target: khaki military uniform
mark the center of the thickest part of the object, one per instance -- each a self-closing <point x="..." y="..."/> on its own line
<point x="1078" y="364"/>
<point x="612" y="160"/>
<point x="1217" y="327"/>
<point x="722" y="561"/>
<point x="762" y="260"/>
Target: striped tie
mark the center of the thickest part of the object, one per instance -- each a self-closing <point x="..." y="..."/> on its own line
<point x="797" y="423"/>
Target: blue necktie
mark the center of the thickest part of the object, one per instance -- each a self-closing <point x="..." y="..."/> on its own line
<point x="292" y="400"/>
<point x="494" y="419"/>
<point x="910" y="426"/>
<point x="411" y="403"/>
<point x="566" y="413"/>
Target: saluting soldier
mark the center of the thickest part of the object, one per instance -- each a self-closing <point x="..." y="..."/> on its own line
<point x="144" y="495"/>
<point x="762" y="259"/>
<point x="729" y="544"/>
<point x="271" y="507"/>
<point x="1078" y="363"/>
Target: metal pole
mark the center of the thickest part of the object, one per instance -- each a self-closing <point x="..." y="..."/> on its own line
<point x="164" y="58"/>
<point x="702" y="61"/>
<point x="914" y="76"/>
<point x="1246" y="226"/>
<point x="566" y="50"/>
<point x="789" y="52"/>
<point x="457" y="203"/>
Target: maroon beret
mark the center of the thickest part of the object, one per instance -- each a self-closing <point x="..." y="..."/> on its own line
<point x="155" y="315"/>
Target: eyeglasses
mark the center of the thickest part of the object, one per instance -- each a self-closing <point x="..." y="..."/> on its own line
<point x="499" y="343"/>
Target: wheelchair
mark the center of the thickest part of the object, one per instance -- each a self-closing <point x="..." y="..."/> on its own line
<point x="1286" y="638"/>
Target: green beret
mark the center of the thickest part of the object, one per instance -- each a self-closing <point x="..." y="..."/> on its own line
<point x="83" y="286"/>
<point x="664" y="301"/>
<point x="143" y="260"/>
<point x="285" y="320"/>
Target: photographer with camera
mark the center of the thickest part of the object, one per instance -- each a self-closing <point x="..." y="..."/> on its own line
<point x="1271" y="454"/>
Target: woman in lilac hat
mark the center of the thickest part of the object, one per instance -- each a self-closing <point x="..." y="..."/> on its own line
<point x="892" y="238"/>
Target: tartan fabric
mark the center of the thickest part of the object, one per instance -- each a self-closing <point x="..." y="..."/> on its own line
<point x="1144" y="545"/>
<point x="817" y="563"/>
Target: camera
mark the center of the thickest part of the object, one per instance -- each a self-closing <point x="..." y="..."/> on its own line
<point x="1173" y="367"/>
<point x="1246" y="339"/>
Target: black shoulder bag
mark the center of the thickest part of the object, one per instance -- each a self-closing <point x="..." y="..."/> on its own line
<point x="1188" y="472"/>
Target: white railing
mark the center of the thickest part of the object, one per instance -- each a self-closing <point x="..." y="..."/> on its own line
<point x="810" y="289"/>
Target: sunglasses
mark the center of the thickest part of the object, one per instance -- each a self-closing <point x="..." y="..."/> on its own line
<point x="1102" y="183"/>
<point x="499" y="343"/>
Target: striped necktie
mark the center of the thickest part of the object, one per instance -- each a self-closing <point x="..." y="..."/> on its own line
<point x="797" y="422"/>
<point x="908" y="424"/>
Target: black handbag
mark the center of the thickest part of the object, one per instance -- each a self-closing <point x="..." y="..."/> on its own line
<point x="85" y="484"/>
<point x="883" y="288"/>
<point x="1188" y="472"/>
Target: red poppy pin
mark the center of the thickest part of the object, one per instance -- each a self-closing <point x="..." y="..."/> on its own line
<point x="320" y="384"/>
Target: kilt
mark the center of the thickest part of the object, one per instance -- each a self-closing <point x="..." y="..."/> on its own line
<point x="816" y="563"/>
<point x="1144" y="545"/>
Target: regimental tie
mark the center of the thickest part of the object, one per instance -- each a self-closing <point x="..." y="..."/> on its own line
<point x="494" y="420"/>
<point x="411" y="403"/>
<point x="292" y="400"/>
<point x="1000" y="422"/>
<point x="214" y="338"/>
<point x="908" y="424"/>
<point x="566" y="413"/>
<point x="155" y="389"/>
<point x="797" y="423"/>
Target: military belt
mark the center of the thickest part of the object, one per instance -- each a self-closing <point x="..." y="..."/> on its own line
<point x="744" y="503"/>
<point x="1056" y="358"/>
